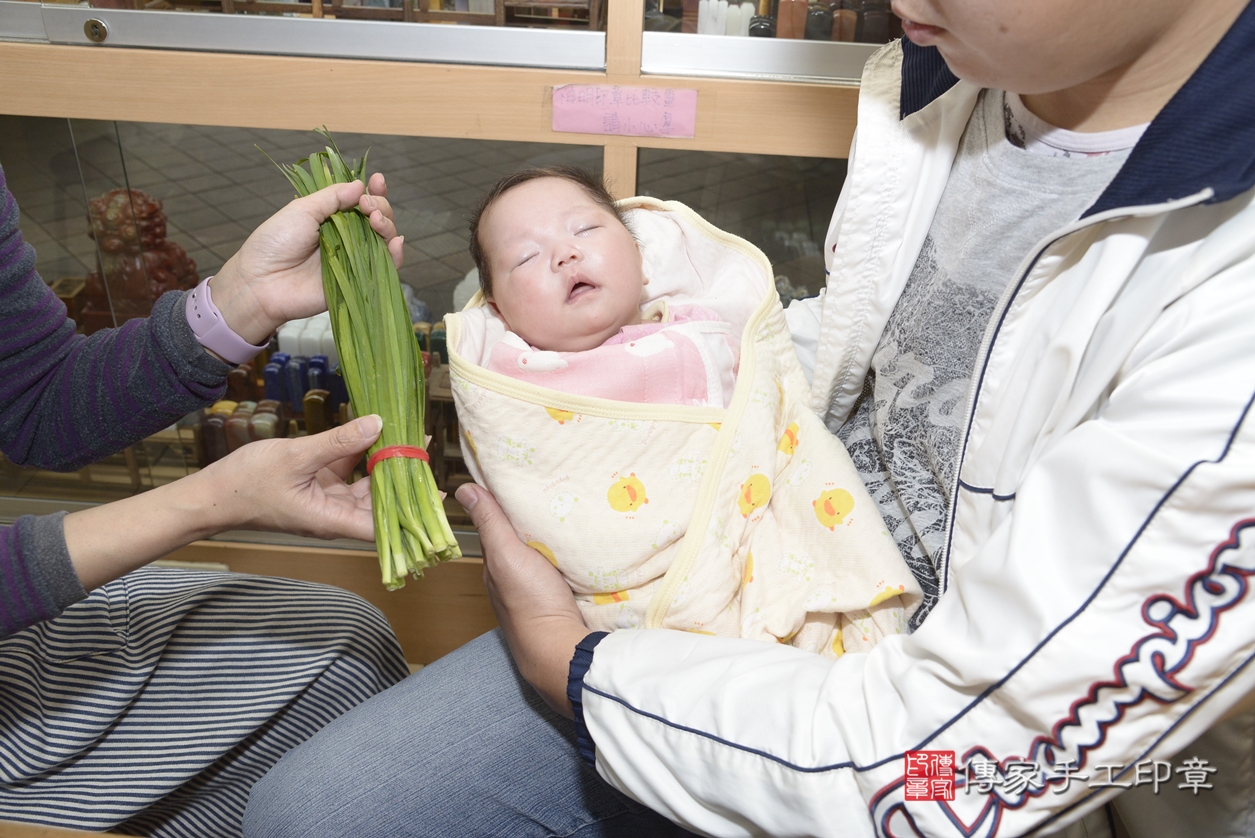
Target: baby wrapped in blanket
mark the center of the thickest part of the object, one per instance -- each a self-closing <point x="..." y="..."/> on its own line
<point x="633" y="400"/>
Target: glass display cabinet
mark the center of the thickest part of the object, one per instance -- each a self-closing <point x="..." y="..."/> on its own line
<point x="132" y="132"/>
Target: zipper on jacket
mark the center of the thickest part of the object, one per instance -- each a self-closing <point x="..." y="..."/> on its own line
<point x="982" y="358"/>
<point x="995" y="326"/>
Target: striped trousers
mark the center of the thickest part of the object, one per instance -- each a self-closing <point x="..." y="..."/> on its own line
<point x="151" y="707"/>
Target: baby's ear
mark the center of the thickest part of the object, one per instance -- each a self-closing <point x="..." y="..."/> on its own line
<point x="493" y="306"/>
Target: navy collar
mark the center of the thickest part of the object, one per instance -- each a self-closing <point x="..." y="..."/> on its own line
<point x="1204" y="138"/>
<point x="925" y="76"/>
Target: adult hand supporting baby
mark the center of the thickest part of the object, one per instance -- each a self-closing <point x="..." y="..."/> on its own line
<point x="532" y="601"/>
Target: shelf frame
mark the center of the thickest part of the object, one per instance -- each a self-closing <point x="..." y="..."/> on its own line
<point x="416" y="98"/>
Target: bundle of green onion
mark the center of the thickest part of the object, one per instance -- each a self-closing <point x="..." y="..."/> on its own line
<point x="380" y="362"/>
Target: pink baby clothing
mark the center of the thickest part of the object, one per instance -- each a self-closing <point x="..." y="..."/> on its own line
<point x="679" y="355"/>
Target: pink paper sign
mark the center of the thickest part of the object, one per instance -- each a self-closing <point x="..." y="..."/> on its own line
<point x="627" y="111"/>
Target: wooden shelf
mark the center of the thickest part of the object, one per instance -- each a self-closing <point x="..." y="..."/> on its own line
<point x="442" y="100"/>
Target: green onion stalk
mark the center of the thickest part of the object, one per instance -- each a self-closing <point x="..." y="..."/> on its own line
<point x="379" y="359"/>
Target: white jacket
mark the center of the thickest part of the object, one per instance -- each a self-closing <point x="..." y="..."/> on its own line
<point x="1095" y="605"/>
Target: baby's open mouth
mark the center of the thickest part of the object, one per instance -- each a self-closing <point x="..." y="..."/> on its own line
<point x="580" y="288"/>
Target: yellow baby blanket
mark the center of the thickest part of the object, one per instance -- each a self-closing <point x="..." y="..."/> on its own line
<point x="748" y="521"/>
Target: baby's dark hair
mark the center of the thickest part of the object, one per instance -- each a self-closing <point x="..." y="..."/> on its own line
<point x="592" y="186"/>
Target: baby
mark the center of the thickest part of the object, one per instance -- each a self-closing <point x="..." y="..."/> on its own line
<point x="653" y="439"/>
<point x="559" y="266"/>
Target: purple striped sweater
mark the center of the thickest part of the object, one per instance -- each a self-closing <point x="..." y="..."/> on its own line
<point x="68" y="400"/>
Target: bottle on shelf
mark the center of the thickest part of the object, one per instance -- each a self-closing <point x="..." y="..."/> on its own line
<point x="263" y="426"/>
<point x="296" y="382"/>
<point x="213" y="433"/>
<point x="688" y="16"/>
<point x="240" y="383"/>
<point x="236" y="426"/>
<point x="784" y="19"/>
<point x="791" y="19"/>
<point x="265" y="423"/>
<point x="213" y="437"/>
<point x="422" y="331"/>
<point x="763" y="25"/>
<point x="819" y="24"/>
<point x="439" y="348"/>
<point x="799" y="9"/>
<point x="272" y="375"/>
<point x="318" y="370"/>
<point x="874" y="22"/>
<point x="845" y="20"/>
<point x="316" y="419"/>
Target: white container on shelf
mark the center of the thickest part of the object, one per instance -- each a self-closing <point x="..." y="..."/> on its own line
<point x="290" y="336"/>
<point x="311" y="338"/>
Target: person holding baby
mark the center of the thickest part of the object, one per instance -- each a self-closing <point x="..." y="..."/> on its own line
<point x="1035" y="343"/>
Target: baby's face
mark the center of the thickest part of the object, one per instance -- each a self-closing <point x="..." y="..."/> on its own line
<point x="566" y="273"/>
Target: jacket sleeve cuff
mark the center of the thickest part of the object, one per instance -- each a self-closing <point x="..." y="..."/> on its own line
<point x="176" y="337"/>
<point x="46" y="537"/>
<point x="580" y="663"/>
<point x="36" y="565"/>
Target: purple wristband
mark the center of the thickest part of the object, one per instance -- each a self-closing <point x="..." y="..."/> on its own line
<point x="212" y="332"/>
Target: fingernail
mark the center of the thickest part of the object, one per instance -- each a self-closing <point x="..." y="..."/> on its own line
<point x="371" y="425"/>
<point x="401" y="239"/>
<point x="466" y="496"/>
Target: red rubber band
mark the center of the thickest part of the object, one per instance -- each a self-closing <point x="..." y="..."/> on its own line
<point x="408" y="451"/>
